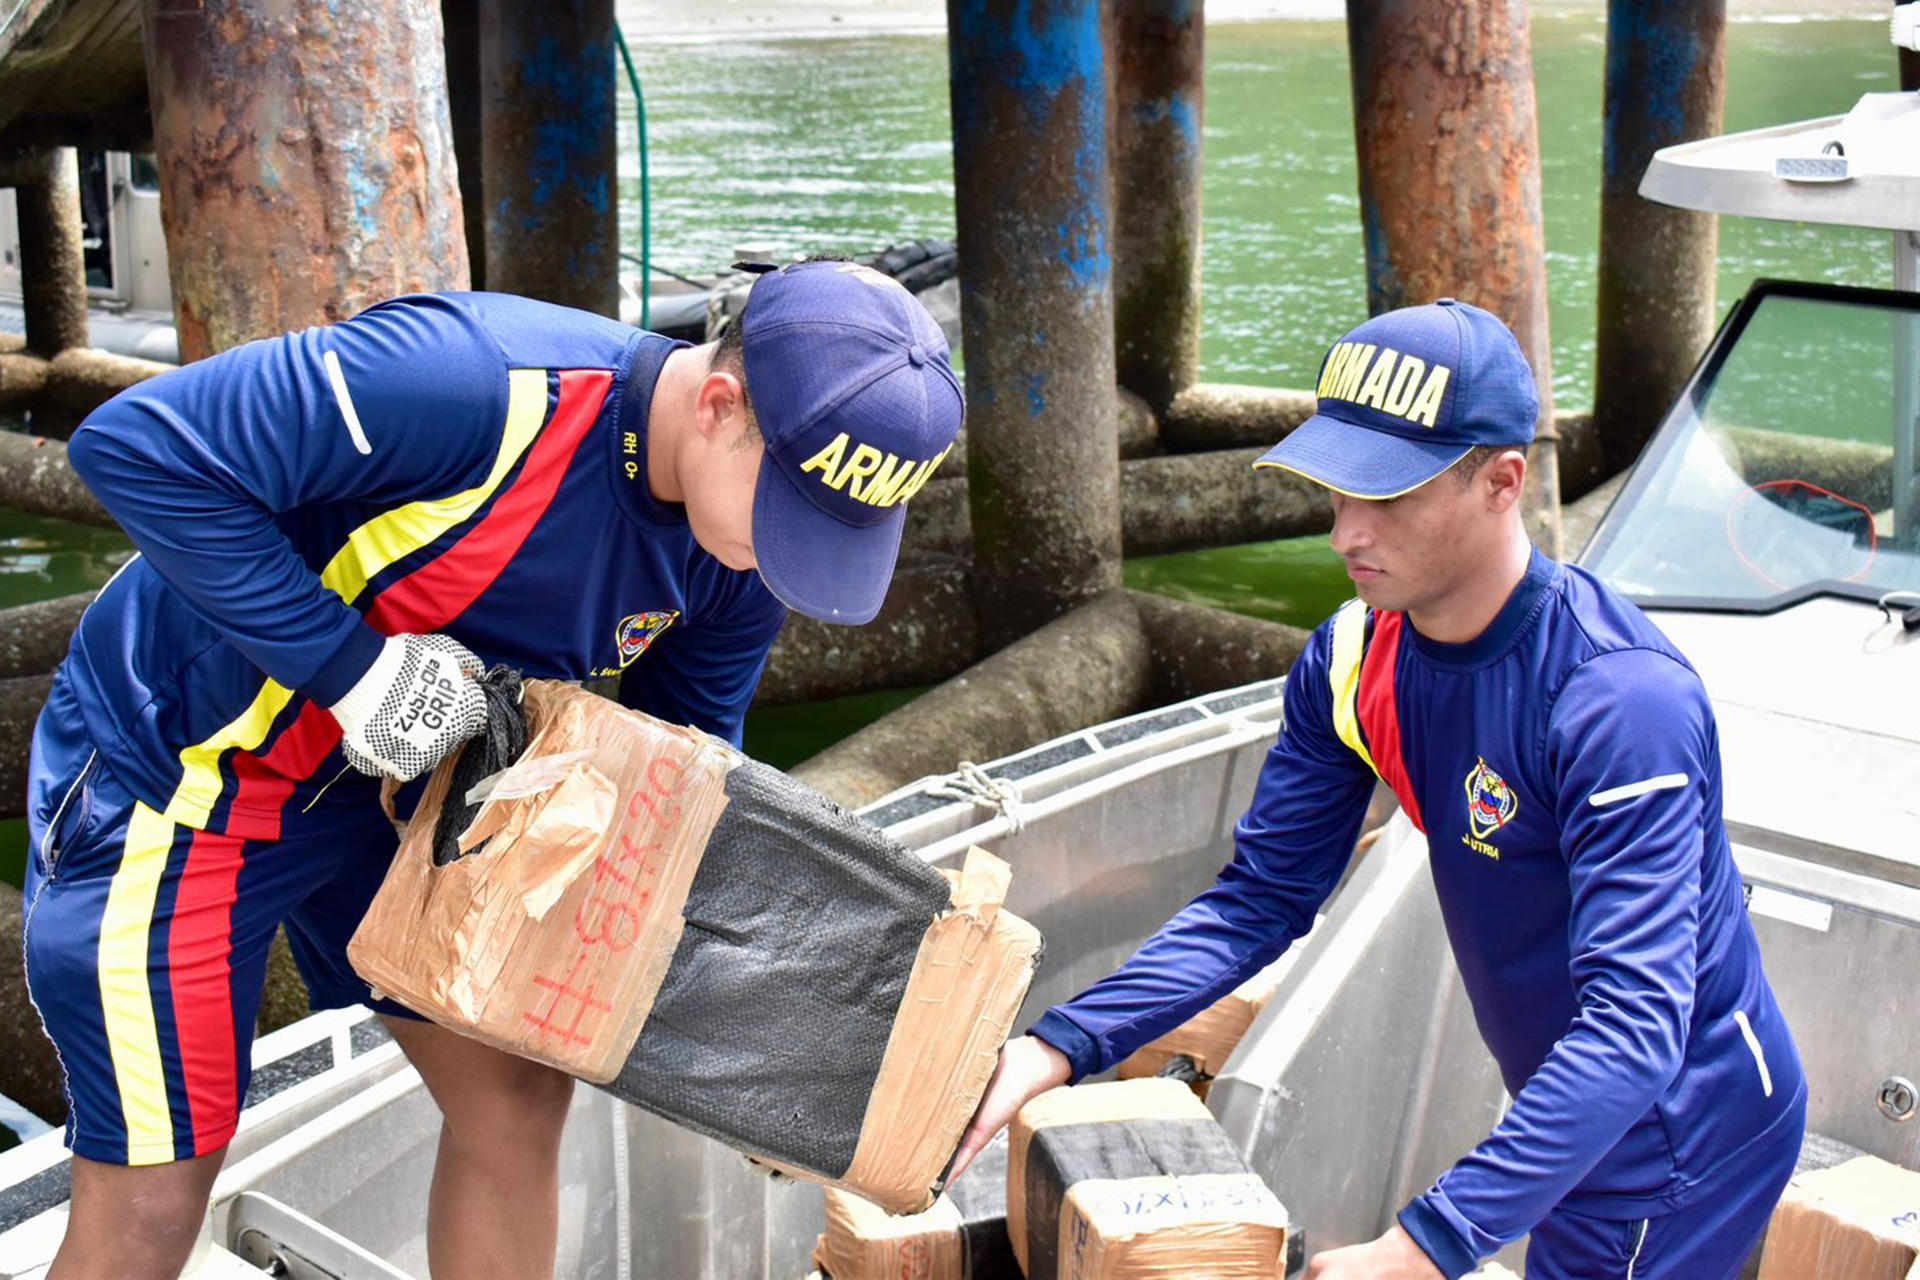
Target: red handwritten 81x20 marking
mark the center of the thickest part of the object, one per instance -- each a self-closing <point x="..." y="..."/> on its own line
<point x="610" y="914"/>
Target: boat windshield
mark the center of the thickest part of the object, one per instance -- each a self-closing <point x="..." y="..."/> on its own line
<point x="1787" y="470"/>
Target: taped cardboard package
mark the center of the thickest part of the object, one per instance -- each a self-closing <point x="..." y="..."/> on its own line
<point x="1855" y="1221"/>
<point x="710" y="940"/>
<point x="551" y="937"/>
<point x="1135" y="1180"/>
<point x="966" y="987"/>
<point x="1208" y="1038"/>
<point x="963" y="1237"/>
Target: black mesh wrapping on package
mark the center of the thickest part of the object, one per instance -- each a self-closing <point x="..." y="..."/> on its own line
<point x="981" y="1197"/>
<point x="1062" y="1155"/>
<point x="497" y="746"/>
<point x="802" y="926"/>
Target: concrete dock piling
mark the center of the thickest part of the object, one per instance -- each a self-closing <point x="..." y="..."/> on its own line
<point x="1158" y="57"/>
<point x="1665" y="84"/>
<point x="1033" y="207"/>
<point x="306" y="171"/>
<point x="1449" y="157"/>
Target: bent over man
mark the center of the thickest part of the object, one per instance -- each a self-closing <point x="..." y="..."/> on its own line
<point x="336" y="529"/>
<point x="1562" y="759"/>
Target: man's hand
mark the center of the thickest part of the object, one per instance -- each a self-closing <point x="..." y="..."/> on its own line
<point x="1028" y="1068"/>
<point x="416" y="703"/>
<point x="1394" y="1256"/>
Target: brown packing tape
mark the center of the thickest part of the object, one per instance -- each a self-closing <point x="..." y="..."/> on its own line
<point x="1085" y="1104"/>
<point x="1855" y="1221"/>
<point x="864" y="1242"/>
<point x="967" y="983"/>
<point x="551" y="939"/>
<point x="1228" y="1225"/>
<point x="1210" y="1036"/>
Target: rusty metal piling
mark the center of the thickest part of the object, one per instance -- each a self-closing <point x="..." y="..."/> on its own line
<point x="306" y="168"/>
<point x="1665" y="84"/>
<point x="1158" y="57"/>
<point x="1032" y="203"/>
<point x="1449" y="158"/>
<point x="547" y="139"/>
<point x="53" y="273"/>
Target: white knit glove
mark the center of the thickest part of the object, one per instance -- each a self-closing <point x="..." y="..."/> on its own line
<point x="416" y="703"/>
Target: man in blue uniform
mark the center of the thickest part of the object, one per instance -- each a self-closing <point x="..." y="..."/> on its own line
<point x="1562" y="759"/>
<point x="336" y="529"/>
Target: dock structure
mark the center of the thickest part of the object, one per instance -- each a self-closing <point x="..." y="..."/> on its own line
<point x="306" y="172"/>
<point x="1449" y="154"/>
<point x="535" y="129"/>
<point x="1159" y="49"/>
<point x="1032" y="200"/>
<point x="1665" y="84"/>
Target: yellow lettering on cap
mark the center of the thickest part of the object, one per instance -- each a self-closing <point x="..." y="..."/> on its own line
<point x="888" y="482"/>
<point x="864" y="462"/>
<point x="1350" y="376"/>
<point x="828" y="459"/>
<point x="1426" y="405"/>
<point x="1375" y="388"/>
<point x="925" y="474"/>
<point x="1406" y="382"/>
<point x="1330" y="372"/>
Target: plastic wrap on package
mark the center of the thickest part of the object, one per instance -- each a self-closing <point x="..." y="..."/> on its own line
<point x="1135" y="1180"/>
<point x="1855" y="1221"/>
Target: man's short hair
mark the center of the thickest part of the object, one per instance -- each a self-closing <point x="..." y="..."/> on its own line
<point x="730" y="353"/>
<point x="1475" y="458"/>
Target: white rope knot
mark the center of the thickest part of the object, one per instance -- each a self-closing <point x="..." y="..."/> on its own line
<point x="970" y="783"/>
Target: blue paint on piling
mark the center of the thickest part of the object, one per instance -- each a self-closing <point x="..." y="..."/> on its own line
<point x="1653" y="52"/>
<point x="1050" y="59"/>
<point x="1037" y="394"/>
<point x="368" y="192"/>
<point x="577" y="93"/>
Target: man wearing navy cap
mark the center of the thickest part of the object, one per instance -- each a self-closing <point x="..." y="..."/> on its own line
<point x="1562" y="760"/>
<point x="337" y="528"/>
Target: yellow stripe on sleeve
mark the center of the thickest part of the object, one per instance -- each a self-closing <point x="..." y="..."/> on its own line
<point x="369" y="549"/>
<point x="126" y="999"/>
<point x="1343" y="670"/>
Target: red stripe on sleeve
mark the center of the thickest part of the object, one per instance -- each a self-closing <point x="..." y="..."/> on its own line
<point x="428" y="598"/>
<point x="436" y="593"/>
<point x="1379" y="711"/>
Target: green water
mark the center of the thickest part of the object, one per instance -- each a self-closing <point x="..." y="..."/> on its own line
<point x="844" y="145"/>
<point x="818" y="145"/>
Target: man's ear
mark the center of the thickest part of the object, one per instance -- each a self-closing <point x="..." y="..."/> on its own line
<point x="1505" y="476"/>
<point x="718" y="404"/>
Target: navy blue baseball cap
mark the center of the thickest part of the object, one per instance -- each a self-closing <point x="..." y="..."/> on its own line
<point x="854" y="390"/>
<point x="1408" y="394"/>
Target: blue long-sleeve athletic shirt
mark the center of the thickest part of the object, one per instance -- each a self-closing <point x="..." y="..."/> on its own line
<point x="1564" y="766"/>
<point x="473" y="464"/>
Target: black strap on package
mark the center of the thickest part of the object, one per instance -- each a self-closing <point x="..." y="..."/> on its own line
<point x="1061" y="1155"/>
<point x="802" y="925"/>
